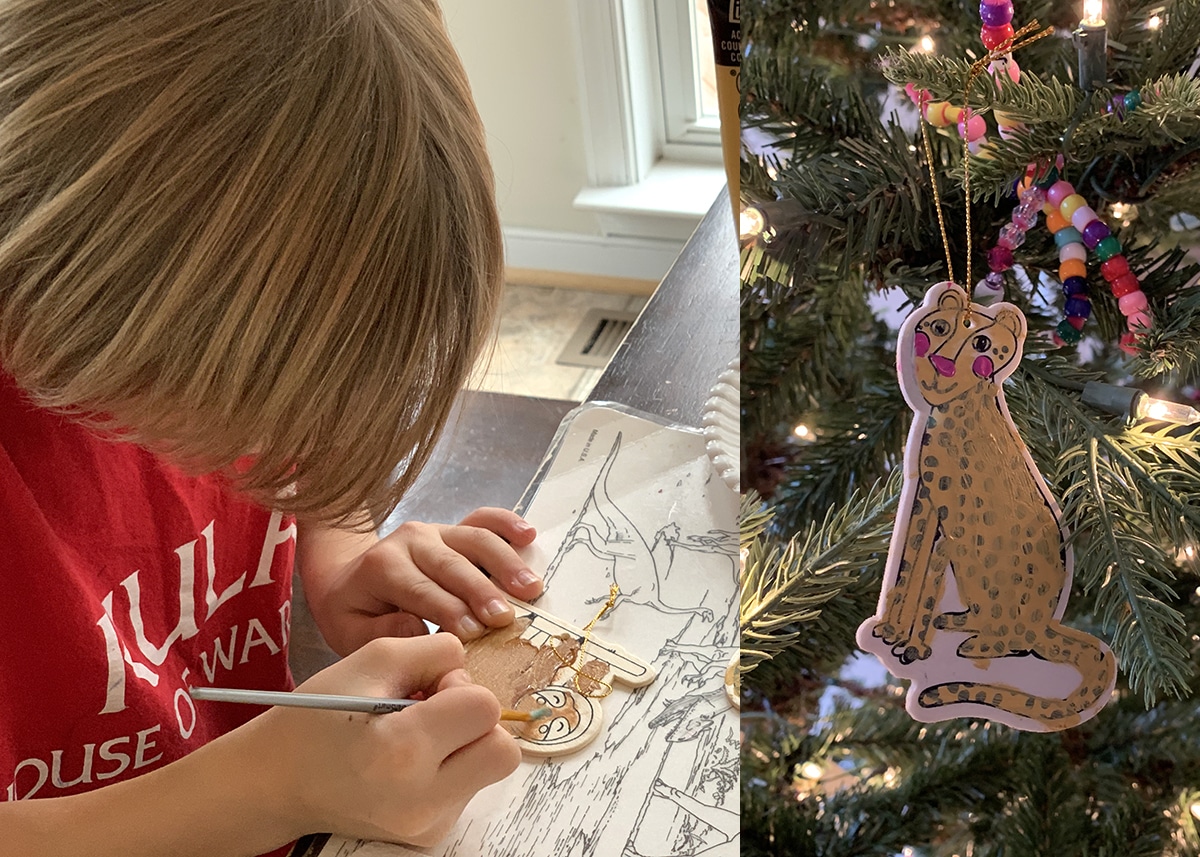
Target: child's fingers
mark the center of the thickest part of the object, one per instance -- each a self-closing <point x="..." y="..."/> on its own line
<point x="398" y="667"/>
<point x="452" y="718"/>
<point x="508" y="525"/>
<point x="493" y="554"/>
<point x="423" y="576"/>
<point x="486" y="760"/>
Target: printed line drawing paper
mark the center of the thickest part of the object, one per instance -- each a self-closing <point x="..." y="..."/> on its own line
<point x="624" y="497"/>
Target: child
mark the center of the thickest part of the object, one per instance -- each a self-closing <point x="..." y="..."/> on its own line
<point x="248" y="255"/>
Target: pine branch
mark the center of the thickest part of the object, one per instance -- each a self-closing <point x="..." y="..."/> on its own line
<point x="856" y="444"/>
<point x="1169" y="49"/>
<point x="785" y="587"/>
<point x="1116" y="487"/>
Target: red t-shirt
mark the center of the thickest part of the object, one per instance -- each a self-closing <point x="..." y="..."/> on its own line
<point x="124" y="581"/>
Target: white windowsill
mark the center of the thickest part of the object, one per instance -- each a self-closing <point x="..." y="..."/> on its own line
<point x="669" y="203"/>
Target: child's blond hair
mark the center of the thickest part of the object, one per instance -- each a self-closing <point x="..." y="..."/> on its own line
<point x="246" y="226"/>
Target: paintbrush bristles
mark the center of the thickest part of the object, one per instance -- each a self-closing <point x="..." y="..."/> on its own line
<point x="526" y="716"/>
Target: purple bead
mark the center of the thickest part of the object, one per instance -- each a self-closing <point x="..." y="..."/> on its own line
<point x="1078" y="307"/>
<point x="995" y="279"/>
<point x="1117" y="107"/>
<point x="1094" y="233"/>
<point x="1074" y="286"/>
<point x="996" y="14"/>
<point x="1000" y="258"/>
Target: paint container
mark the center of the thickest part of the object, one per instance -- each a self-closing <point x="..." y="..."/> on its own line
<point x="725" y="18"/>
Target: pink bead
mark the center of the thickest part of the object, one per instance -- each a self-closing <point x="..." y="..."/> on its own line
<point x="1000" y="258"/>
<point x="1129" y="343"/>
<point x="993" y="37"/>
<point x="1008" y="68"/>
<point x="974" y="128"/>
<point x="920" y="97"/>
<point x="1132" y="303"/>
<point x="1059" y="191"/>
<point x="1073" y="251"/>
<point x="1139" y="319"/>
<point x="1082" y="217"/>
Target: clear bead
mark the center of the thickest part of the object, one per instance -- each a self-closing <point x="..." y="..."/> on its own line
<point x="1012" y="236"/>
<point x="1034" y="195"/>
<point x="1024" y="218"/>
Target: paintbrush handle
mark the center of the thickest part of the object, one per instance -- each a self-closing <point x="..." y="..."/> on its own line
<point x="366" y="704"/>
<point x="327" y="701"/>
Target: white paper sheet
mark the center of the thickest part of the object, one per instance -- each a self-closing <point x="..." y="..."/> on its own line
<point x="626" y="498"/>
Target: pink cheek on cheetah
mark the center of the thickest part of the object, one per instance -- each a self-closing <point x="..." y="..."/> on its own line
<point x="920" y="344"/>
<point x="983" y="366"/>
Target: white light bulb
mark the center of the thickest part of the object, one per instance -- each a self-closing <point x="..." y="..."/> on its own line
<point x="1120" y="210"/>
<point x="1154" y="22"/>
<point x="926" y="44"/>
<point x="1165" y="411"/>
<point x="1195" y="809"/>
<point x="751" y="223"/>
<point x="1093" y="13"/>
<point x="811" y="771"/>
<point x="802" y="431"/>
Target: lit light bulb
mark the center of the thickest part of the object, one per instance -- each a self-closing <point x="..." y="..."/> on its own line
<point x="1093" y="13"/>
<point x="1162" y="410"/>
<point x="811" y="771"/>
<point x="802" y="431"/>
<point x="1154" y="22"/>
<point x="751" y="223"/>
<point x="926" y="44"/>
<point x="1121" y="210"/>
<point x="1195" y="810"/>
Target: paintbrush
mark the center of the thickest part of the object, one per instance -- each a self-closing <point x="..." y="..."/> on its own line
<point x="366" y="704"/>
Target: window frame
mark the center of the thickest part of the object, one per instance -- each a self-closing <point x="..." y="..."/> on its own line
<point x="684" y="123"/>
<point x="629" y="105"/>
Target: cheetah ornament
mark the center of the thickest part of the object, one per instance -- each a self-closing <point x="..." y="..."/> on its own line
<point x="978" y="570"/>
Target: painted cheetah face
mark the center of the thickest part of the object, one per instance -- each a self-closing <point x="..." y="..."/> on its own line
<point x="958" y="345"/>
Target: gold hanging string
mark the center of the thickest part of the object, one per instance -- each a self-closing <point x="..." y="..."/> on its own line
<point x="937" y="201"/>
<point x="1006" y="47"/>
<point x="569" y="663"/>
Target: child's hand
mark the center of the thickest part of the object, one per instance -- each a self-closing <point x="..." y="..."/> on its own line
<point x="422" y="571"/>
<point x="400" y="777"/>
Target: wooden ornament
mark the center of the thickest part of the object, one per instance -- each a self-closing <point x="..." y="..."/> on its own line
<point x="979" y="567"/>
<point x="540" y="661"/>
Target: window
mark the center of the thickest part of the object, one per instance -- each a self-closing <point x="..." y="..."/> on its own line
<point x="650" y="115"/>
<point x="649" y="85"/>
<point x="688" y="74"/>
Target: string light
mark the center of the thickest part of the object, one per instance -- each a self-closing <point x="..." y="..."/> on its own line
<point x="811" y="771"/>
<point x="802" y="431"/>
<point x="1091" y="41"/>
<point x="926" y="45"/>
<point x="1165" y="411"/>
<point x="1154" y="22"/>
<point x="1195" y="810"/>
<point x="1121" y="211"/>
<point x="1133" y="404"/>
<point x="751" y="223"/>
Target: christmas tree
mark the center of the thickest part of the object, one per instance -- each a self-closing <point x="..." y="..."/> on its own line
<point x="841" y="239"/>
